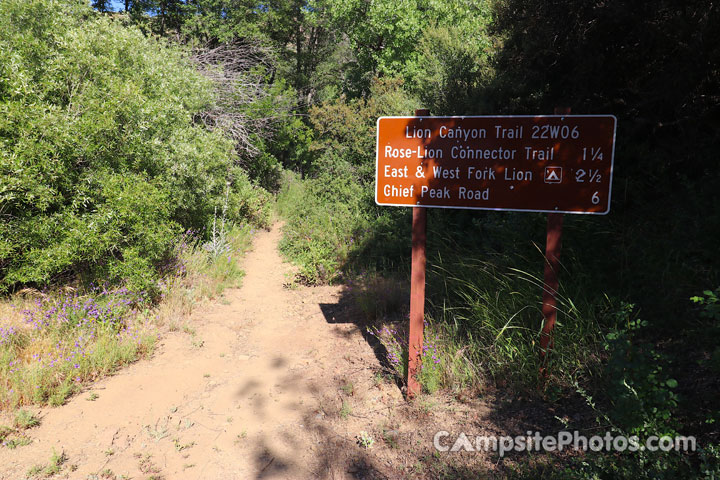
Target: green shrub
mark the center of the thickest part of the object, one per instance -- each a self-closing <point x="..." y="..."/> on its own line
<point x="101" y="163"/>
<point x="710" y="303"/>
<point x="331" y="215"/>
<point x="319" y="230"/>
<point x="640" y="391"/>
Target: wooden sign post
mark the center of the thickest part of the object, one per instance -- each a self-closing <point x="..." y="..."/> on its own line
<point x="417" y="293"/>
<point x="548" y="163"/>
<point x="551" y="283"/>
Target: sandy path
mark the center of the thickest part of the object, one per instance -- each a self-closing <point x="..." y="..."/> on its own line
<point x="251" y="395"/>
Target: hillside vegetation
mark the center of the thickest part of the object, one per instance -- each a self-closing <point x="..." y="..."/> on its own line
<point x="103" y="165"/>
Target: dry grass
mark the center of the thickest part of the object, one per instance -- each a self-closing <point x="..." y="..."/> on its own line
<point x="53" y="343"/>
<point x="202" y="277"/>
<point x="11" y="311"/>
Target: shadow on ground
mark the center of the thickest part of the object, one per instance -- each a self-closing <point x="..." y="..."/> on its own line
<point x="490" y="411"/>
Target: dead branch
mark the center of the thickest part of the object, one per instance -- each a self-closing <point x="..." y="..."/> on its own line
<point x="239" y="73"/>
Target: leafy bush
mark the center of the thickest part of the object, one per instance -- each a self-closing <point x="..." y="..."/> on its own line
<point x="710" y="303"/>
<point x="102" y="165"/>
<point x="455" y="72"/>
<point x="346" y="128"/>
<point x="640" y="391"/>
<point x="331" y="215"/>
<point x="319" y="231"/>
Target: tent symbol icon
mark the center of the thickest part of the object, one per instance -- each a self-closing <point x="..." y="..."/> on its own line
<point x="553" y="174"/>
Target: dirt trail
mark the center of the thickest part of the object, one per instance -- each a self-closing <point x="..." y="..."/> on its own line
<point x="256" y="392"/>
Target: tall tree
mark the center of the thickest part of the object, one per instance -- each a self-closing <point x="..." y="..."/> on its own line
<point x="102" y="5"/>
<point x="299" y="30"/>
<point x="219" y="21"/>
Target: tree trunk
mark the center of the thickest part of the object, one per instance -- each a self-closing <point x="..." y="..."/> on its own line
<point x="298" y="48"/>
<point x="162" y="19"/>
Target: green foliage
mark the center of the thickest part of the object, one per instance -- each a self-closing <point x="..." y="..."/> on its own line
<point x="640" y="391"/>
<point x="454" y="74"/>
<point x="642" y="404"/>
<point x="218" y="20"/>
<point x="639" y="465"/>
<point x="329" y="215"/>
<point x="56" y="462"/>
<point x="101" y="162"/>
<point x="710" y="462"/>
<point x="415" y="41"/>
<point x="365" y="440"/>
<point x="290" y="144"/>
<point x="24" y="420"/>
<point x="317" y="233"/>
<point x="710" y="303"/>
<point x="383" y="34"/>
<point x="345" y="129"/>
<point x="248" y="203"/>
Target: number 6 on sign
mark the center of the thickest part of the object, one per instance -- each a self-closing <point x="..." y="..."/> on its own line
<point x="595" y="198"/>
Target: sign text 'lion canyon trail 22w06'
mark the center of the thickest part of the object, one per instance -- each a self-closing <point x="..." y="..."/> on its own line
<point x="547" y="163"/>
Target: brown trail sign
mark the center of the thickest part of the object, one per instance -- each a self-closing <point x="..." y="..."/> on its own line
<point x="546" y="163"/>
<point x="552" y="163"/>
